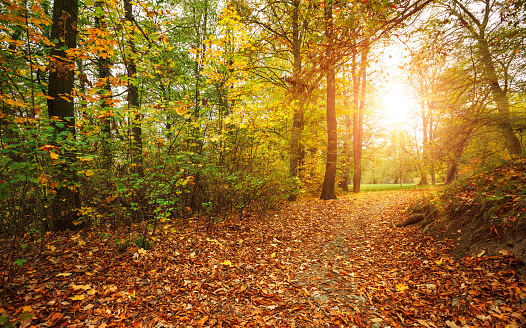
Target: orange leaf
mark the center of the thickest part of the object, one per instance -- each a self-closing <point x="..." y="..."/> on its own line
<point x="401" y="287"/>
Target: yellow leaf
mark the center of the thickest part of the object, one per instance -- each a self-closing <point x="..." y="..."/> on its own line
<point x="27" y="308"/>
<point x="401" y="287"/>
<point x="78" y="297"/>
<point x="227" y="262"/>
<point x="273" y="255"/>
<point x="65" y="274"/>
<point x="79" y="287"/>
<point x="439" y="262"/>
<point x="88" y="173"/>
<point x="131" y="294"/>
<point x="53" y="155"/>
<point x="142" y="251"/>
<point x="92" y="292"/>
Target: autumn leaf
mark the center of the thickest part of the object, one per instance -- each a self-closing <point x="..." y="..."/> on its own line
<point x="53" y="155"/>
<point x="401" y="287"/>
<point x="80" y="287"/>
<point x="65" y="274"/>
<point x="79" y="297"/>
<point x="227" y="263"/>
<point x="48" y="147"/>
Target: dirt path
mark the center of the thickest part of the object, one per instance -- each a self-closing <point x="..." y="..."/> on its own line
<point x="310" y="264"/>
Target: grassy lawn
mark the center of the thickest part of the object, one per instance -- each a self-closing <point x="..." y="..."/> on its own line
<point x="383" y="187"/>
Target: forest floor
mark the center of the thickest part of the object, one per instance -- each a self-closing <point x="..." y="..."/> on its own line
<point x="313" y="263"/>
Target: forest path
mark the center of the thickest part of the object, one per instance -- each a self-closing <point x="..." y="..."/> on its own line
<point x="314" y="263"/>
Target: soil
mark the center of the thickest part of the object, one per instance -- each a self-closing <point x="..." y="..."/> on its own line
<point x="472" y="235"/>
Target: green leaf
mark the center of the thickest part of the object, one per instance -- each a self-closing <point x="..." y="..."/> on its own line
<point x="20" y="262"/>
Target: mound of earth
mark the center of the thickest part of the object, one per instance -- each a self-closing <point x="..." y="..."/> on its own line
<point x="484" y="214"/>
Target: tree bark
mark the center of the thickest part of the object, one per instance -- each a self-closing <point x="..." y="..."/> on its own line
<point x="61" y="108"/>
<point x="500" y="97"/>
<point x="329" y="180"/>
<point x="133" y="98"/>
<point x="297" y="91"/>
<point x="358" y="118"/>
<point x="104" y="73"/>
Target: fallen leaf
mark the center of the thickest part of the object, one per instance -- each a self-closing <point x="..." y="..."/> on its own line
<point x="80" y="287"/>
<point x="227" y="262"/>
<point x="79" y="297"/>
<point x="401" y="287"/>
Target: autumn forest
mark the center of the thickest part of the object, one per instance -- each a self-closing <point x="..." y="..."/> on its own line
<point x="203" y="163"/>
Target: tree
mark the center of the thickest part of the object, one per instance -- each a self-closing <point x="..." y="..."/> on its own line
<point x="133" y="93"/>
<point x="479" y="29"/>
<point x="385" y="20"/>
<point x="104" y="74"/>
<point x="60" y="103"/>
<point x="285" y="34"/>
<point x="328" y="191"/>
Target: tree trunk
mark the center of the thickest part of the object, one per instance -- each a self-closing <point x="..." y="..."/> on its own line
<point x="297" y="91"/>
<point x="61" y="108"/>
<point x="500" y="97"/>
<point x="133" y="98"/>
<point x="344" y="184"/>
<point x="328" y="190"/>
<point x="104" y="75"/>
<point x="425" y="143"/>
<point x="358" y="119"/>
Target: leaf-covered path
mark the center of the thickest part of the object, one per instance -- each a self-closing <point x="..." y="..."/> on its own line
<point x="313" y="263"/>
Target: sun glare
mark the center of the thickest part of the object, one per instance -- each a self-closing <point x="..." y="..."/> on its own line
<point x="396" y="104"/>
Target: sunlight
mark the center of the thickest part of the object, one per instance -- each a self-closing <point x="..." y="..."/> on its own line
<point x="396" y="104"/>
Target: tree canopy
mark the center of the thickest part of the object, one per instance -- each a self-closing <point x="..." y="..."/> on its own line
<point x="119" y="112"/>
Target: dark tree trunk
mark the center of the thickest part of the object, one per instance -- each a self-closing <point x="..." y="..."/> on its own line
<point x="329" y="181"/>
<point x="104" y="73"/>
<point x="133" y="98"/>
<point x="297" y="92"/>
<point x="61" y="108"/>
<point x="451" y="174"/>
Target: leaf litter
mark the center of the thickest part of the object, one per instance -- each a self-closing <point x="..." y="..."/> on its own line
<point x="313" y="263"/>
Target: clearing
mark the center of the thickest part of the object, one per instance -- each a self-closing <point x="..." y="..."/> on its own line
<point x="313" y="263"/>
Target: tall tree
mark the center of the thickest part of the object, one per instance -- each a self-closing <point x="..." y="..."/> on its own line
<point x="359" y="107"/>
<point x="479" y="24"/>
<point x="60" y="103"/>
<point x="133" y="93"/>
<point x="104" y="74"/>
<point x="329" y="180"/>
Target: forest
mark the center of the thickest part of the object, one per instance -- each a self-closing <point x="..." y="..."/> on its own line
<point x="126" y="122"/>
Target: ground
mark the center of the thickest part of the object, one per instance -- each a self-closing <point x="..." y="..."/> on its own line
<point x="312" y="263"/>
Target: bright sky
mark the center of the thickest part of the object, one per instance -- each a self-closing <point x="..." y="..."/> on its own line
<point x="396" y="103"/>
<point x="396" y="98"/>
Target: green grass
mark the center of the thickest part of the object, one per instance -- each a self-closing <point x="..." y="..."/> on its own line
<point x="384" y="187"/>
